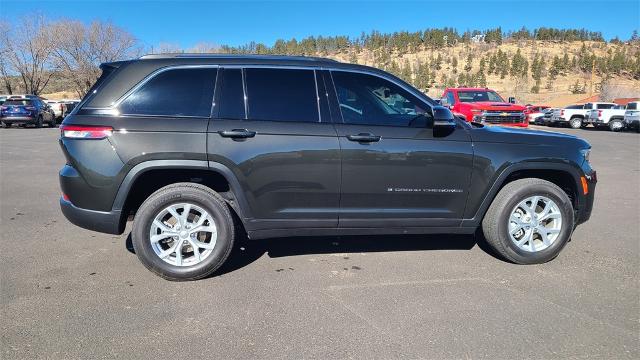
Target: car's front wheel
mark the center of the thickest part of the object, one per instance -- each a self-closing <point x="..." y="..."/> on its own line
<point x="183" y="231"/>
<point x="529" y="221"/>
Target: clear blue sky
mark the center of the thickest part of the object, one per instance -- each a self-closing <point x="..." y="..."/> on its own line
<point x="186" y="23"/>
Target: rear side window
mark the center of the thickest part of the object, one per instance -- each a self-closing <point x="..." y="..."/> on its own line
<point x="176" y="92"/>
<point x="231" y="98"/>
<point x="282" y="95"/>
<point x="605" y="106"/>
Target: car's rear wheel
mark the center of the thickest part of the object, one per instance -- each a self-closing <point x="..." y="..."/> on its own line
<point x="529" y="221"/>
<point x="616" y="125"/>
<point x="39" y="121"/>
<point x="183" y="231"/>
<point x="52" y="123"/>
<point x="575" y="123"/>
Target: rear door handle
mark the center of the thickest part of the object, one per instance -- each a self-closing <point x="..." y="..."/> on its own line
<point x="237" y="133"/>
<point x="362" y="137"/>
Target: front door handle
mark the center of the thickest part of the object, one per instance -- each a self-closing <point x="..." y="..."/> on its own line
<point x="364" y="137"/>
<point x="237" y="133"/>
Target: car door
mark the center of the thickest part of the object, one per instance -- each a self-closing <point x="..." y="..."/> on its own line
<point x="273" y="132"/>
<point x="395" y="170"/>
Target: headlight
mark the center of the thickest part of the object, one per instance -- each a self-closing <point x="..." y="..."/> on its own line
<point x="585" y="153"/>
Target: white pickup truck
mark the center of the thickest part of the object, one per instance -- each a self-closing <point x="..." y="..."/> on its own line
<point x="572" y="115"/>
<point x="632" y="116"/>
<point x="613" y="117"/>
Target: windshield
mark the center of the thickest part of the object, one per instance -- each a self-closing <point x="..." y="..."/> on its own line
<point x="479" y="95"/>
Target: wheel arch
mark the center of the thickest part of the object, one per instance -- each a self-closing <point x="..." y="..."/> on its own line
<point x="566" y="176"/>
<point x="147" y="177"/>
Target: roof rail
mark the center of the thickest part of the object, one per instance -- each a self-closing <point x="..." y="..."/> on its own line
<point x="234" y="56"/>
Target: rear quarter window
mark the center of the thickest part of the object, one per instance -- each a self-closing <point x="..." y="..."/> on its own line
<point x="174" y="92"/>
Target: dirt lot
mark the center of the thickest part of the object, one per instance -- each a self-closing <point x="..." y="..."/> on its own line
<point x="71" y="293"/>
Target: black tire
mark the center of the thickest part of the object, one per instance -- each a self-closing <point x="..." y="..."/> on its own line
<point x="201" y="196"/>
<point x="575" y="123"/>
<point x="495" y="222"/>
<point x="52" y="123"/>
<point x="39" y="122"/>
<point x="616" y="125"/>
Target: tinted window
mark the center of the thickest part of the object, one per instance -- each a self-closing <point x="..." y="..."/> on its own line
<point x="605" y="106"/>
<point x="178" y="92"/>
<point x="18" y="102"/>
<point x="370" y="100"/>
<point x="632" y="106"/>
<point x="231" y="98"/>
<point x="282" y="95"/>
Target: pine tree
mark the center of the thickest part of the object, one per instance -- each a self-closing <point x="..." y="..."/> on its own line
<point x="468" y="64"/>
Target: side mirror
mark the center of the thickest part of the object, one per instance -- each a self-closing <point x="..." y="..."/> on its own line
<point x="512" y="100"/>
<point x="443" y="118"/>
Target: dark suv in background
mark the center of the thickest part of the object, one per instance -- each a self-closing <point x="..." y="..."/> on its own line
<point x="196" y="146"/>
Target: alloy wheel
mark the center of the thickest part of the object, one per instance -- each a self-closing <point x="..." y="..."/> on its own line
<point x="183" y="234"/>
<point x="535" y="223"/>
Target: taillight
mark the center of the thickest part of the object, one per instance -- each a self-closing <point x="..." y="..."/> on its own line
<point x="599" y="113"/>
<point x="60" y="107"/>
<point x="4" y="108"/>
<point x="561" y="112"/>
<point x="85" y="132"/>
<point x="30" y="107"/>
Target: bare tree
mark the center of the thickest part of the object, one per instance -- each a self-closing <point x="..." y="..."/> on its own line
<point x="27" y="51"/>
<point x="80" y="49"/>
<point x="4" y="54"/>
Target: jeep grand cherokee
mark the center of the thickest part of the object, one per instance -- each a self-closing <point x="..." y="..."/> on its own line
<point x="196" y="146"/>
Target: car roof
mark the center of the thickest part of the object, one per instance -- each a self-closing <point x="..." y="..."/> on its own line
<point x="133" y="71"/>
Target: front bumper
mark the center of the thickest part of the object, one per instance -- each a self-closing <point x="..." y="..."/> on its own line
<point x="585" y="205"/>
<point x="632" y="121"/>
<point x="101" y="221"/>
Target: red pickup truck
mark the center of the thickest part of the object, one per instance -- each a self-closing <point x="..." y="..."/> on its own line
<point x="484" y="105"/>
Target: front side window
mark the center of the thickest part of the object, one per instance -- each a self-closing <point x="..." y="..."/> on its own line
<point x="370" y="100"/>
<point x="479" y="95"/>
<point x="632" y="106"/>
<point x="175" y="92"/>
<point x="281" y="94"/>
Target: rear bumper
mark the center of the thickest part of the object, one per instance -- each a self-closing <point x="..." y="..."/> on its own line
<point x="101" y="221"/>
<point x="18" y="119"/>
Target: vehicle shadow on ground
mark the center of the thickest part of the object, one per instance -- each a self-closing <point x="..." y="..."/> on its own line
<point x="246" y="251"/>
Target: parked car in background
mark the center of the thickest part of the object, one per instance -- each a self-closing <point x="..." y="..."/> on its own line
<point x="22" y="110"/>
<point x="69" y="106"/>
<point x="533" y="112"/>
<point x="485" y="106"/>
<point x="572" y="115"/>
<point x="3" y="98"/>
<point x="632" y="116"/>
<point x="612" y="117"/>
<point x="59" y="108"/>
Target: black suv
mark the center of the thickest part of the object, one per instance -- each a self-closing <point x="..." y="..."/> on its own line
<point x="197" y="147"/>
